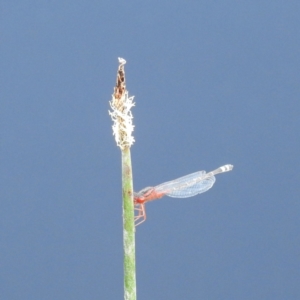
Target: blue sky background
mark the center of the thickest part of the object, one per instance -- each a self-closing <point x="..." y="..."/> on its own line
<point x="215" y="82"/>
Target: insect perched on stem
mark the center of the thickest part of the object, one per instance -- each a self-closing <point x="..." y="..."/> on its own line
<point x="183" y="187"/>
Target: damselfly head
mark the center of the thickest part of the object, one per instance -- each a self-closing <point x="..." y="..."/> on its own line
<point x="142" y="194"/>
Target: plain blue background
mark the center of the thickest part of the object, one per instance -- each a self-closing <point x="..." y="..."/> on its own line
<point x="215" y="82"/>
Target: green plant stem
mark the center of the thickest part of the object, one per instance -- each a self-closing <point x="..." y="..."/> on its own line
<point x="128" y="227"/>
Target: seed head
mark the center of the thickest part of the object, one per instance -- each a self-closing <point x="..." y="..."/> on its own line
<point x="121" y="115"/>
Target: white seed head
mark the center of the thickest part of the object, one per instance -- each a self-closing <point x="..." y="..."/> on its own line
<point x="122" y="120"/>
<point x="121" y="115"/>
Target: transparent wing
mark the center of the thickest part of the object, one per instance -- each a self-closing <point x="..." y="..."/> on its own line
<point x="187" y="186"/>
